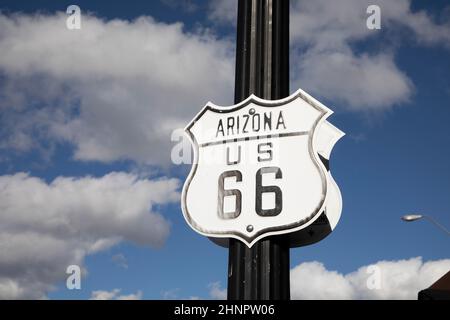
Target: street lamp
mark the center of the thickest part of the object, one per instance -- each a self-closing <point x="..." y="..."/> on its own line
<point x="415" y="217"/>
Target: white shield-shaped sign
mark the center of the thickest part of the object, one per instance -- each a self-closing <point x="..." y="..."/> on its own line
<point x="257" y="169"/>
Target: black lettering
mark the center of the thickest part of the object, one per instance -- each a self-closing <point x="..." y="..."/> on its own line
<point x="280" y="120"/>
<point x="238" y="157"/>
<point x="254" y="127"/>
<point x="220" y="129"/>
<point x="226" y="193"/>
<point x="267" y="121"/>
<point x="267" y="151"/>
<point x="260" y="189"/>
<point x="230" y="125"/>
<point x="246" y="116"/>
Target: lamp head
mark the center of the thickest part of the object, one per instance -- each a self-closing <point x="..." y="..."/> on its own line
<point x="412" y="217"/>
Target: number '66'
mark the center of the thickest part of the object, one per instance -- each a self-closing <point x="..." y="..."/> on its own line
<point x="259" y="190"/>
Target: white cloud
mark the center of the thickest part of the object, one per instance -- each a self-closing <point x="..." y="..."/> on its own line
<point x="115" y="295"/>
<point x="115" y="89"/>
<point x="171" y="294"/>
<point x="216" y="291"/>
<point x="323" y="59"/>
<point x="371" y="82"/>
<point x="223" y="11"/>
<point x="323" y="33"/>
<point x="420" y="25"/>
<point x="401" y="279"/>
<point x="44" y="227"/>
<point x="120" y="260"/>
<point x="311" y="280"/>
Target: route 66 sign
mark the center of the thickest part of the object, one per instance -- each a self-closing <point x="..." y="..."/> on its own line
<point x="260" y="169"/>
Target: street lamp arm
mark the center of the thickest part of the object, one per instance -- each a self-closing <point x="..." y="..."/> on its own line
<point x="437" y="224"/>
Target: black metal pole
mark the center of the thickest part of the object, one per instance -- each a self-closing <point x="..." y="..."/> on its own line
<point x="262" y="68"/>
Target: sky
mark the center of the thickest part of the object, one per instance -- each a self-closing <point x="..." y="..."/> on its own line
<point x="86" y="119"/>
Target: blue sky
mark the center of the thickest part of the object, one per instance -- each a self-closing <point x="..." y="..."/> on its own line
<point x="85" y="103"/>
